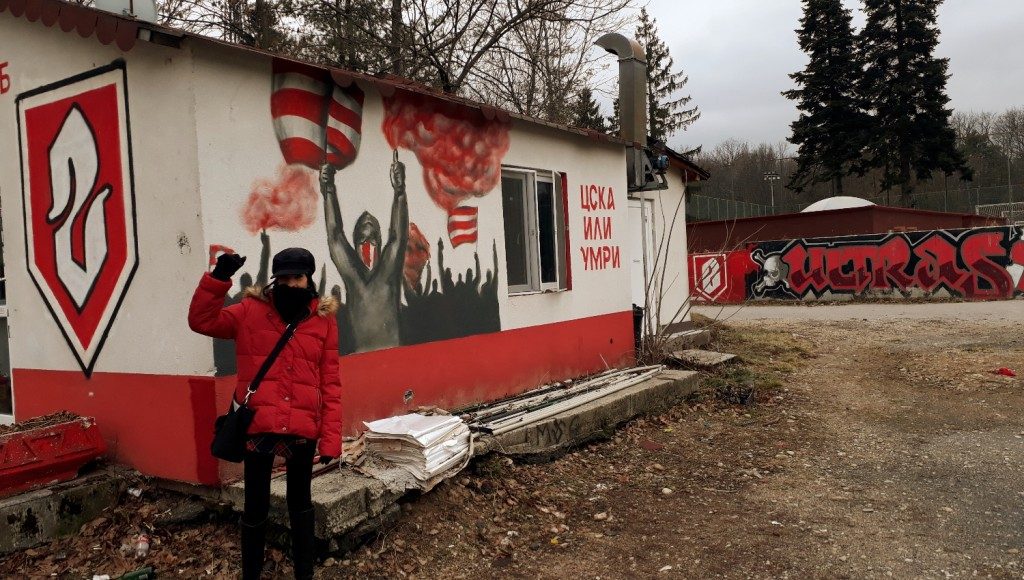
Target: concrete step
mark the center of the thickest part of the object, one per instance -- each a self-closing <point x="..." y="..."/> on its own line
<point x="554" y="436"/>
<point x="702" y="359"/>
<point x="36" y="517"/>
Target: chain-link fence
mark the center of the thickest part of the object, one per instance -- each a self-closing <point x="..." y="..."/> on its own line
<point x="960" y="199"/>
<point x="1014" y="211"/>
<point x="708" y="208"/>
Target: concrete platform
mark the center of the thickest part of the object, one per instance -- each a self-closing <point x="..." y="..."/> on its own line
<point x="36" y="517"/>
<point x="560" y="433"/>
<point x="347" y="505"/>
<point x="702" y="359"/>
<point x="350" y="506"/>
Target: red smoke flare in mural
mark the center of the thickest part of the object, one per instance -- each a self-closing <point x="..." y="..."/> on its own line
<point x="459" y="149"/>
<point x="417" y="254"/>
<point x="289" y="203"/>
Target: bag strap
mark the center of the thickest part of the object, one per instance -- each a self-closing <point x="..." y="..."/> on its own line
<point x="288" y="333"/>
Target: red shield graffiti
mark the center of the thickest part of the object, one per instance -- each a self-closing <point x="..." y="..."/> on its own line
<point x="79" y="203"/>
<point x="709" y="276"/>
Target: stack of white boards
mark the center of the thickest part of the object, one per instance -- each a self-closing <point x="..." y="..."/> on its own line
<point x="426" y="446"/>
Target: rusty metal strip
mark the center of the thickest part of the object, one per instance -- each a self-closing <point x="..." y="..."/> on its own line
<point x="3" y="5"/>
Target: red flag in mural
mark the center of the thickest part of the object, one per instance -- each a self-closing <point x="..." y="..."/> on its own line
<point x="316" y="121"/>
<point x="459" y="149"/>
<point x="462" y="225"/>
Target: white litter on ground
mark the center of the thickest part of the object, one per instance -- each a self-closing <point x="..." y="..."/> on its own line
<point x="425" y="446"/>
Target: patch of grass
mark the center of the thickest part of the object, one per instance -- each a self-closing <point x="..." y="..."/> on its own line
<point x="741" y="385"/>
<point x="766" y="348"/>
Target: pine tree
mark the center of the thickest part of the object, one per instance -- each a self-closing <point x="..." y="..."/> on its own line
<point x="910" y="133"/>
<point x="612" y="121"/>
<point x="666" y="114"/>
<point x="829" y="131"/>
<point x="586" y="113"/>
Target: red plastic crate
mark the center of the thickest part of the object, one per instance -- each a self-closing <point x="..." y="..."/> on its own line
<point x="44" y="455"/>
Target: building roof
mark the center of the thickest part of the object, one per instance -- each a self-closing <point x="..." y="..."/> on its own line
<point x="836" y="202"/>
<point x="124" y="31"/>
<point x="691" y="171"/>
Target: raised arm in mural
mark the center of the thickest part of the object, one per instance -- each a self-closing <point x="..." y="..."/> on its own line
<point x="343" y="254"/>
<point x="372" y="276"/>
<point x="261" y="276"/>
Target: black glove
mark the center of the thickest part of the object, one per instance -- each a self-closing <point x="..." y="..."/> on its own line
<point x="227" y="265"/>
<point x="325" y="459"/>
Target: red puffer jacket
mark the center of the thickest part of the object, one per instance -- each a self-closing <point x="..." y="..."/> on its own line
<point x="301" y="393"/>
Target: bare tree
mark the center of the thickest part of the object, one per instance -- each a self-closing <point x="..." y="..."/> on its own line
<point x="546" y="60"/>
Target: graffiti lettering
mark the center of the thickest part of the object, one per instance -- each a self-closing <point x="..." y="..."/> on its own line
<point x="77" y="210"/>
<point x="981" y="264"/>
<point x="597" y="228"/>
<point x="594" y="198"/>
<point x="5" y="79"/>
<point x="601" y="257"/>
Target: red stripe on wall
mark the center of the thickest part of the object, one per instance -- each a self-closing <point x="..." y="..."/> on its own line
<point x="162" y="425"/>
<point x="568" y="246"/>
<point x="455" y="373"/>
<point x="148" y="421"/>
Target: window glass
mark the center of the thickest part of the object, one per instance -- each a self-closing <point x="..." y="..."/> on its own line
<point x="513" y="201"/>
<point x="546" y="225"/>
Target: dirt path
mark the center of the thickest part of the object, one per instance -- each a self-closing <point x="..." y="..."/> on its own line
<point x="999" y="312"/>
<point x="870" y="450"/>
<point x="882" y="449"/>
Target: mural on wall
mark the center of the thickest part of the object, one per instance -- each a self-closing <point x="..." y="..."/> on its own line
<point x="973" y="264"/>
<point x="79" y="202"/>
<point x="395" y="287"/>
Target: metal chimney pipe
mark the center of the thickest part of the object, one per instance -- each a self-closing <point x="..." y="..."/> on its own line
<point x="632" y="99"/>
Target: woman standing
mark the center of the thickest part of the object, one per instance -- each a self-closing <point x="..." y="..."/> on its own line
<point x="297" y="405"/>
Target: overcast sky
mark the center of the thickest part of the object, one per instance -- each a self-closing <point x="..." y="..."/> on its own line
<point x="738" y="54"/>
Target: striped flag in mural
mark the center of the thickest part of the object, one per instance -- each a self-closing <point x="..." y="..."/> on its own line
<point x="316" y="120"/>
<point x="462" y="225"/>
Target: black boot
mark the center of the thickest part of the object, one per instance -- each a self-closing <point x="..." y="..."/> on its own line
<point x="254" y="537"/>
<point x="303" y="541"/>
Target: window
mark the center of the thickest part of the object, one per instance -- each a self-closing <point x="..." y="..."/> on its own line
<point x="534" y="230"/>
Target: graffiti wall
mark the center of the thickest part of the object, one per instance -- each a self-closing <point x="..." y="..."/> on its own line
<point x="969" y="264"/>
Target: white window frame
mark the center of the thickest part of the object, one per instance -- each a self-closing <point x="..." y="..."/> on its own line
<point x="530" y="178"/>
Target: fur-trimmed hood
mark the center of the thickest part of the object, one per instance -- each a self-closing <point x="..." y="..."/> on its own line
<point x="326" y="305"/>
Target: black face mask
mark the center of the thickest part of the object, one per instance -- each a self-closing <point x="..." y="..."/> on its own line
<point x="291" y="303"/>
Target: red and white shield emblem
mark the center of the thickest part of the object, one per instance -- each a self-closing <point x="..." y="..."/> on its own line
<point x="79" y="202"/>
<point x="708" y="276"/>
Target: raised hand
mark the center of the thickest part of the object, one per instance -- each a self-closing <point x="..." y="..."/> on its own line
<point x="398" y="175"/>
<point x="227" y="265"/>
<point x="327" y="172"/>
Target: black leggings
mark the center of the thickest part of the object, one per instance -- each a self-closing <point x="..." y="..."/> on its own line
<point x="258" y="469"/>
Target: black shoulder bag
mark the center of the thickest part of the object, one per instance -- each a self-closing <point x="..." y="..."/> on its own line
<point x="230" y="429"/>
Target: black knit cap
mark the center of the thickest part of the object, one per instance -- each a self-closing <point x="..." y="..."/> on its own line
<point x="293" y="262"/>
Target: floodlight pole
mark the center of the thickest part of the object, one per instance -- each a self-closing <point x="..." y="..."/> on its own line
<point x="771" y="177"/>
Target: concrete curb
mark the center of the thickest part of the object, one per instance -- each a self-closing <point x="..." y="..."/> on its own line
<point x="36" y="517"/>
<point x="556" y="435"/>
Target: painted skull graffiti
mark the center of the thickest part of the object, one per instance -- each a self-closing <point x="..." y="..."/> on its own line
<point x="775" y="274"/>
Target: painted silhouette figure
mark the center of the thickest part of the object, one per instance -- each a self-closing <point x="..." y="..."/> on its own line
<point x="372" y="275"/>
